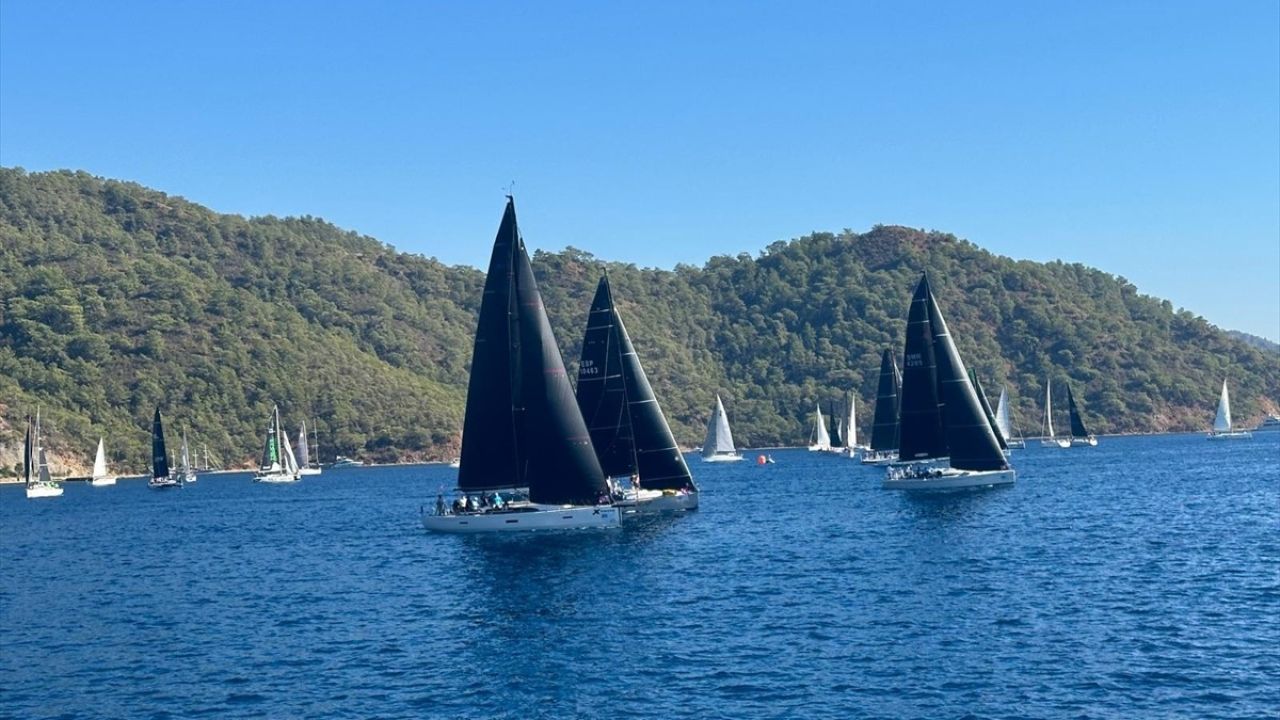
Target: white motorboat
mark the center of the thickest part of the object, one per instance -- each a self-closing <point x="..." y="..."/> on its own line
<point x="342" y="461"/>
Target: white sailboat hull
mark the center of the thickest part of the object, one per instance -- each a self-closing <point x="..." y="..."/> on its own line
<point x="721" y="458"/>
<point x="1018" y="444"/>
<point x="657" y="501"/>
<point x="43" y="490"/>
<point x="1229" y="435"/>
<point x="276" y="478"/>
<point x="309" y="471"/>
<point x="163" y="483"/>
<point x="1055" y="442"/>
<point x="948" y="479"/>
<point x="525" y="518"/>
<point x="103" y="481"/>
<point x="1090" y="441"/>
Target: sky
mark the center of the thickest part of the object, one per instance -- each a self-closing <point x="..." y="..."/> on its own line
<point x="1141" y="138"/>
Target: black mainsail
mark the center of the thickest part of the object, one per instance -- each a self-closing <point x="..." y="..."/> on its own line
<point x="884" y="428"/>
<point x="921" y="435"/>
<point x="522" y="426"/>
<point x="837" y="427"/>
<point x="1077" y="424"/>
<point x="636" y="421"/>
<point x="159" y="456"/>
<point x="986" y="410"/>
<point x="971" y="440"/>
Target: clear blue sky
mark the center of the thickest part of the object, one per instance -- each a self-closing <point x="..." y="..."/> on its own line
<point x="1142" y="138"/>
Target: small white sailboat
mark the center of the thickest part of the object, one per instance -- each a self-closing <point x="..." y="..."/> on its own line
<point x="819" y="438"/>
<point x="522" y="427"/>
<point x="1047" y="438"/>
<point x="161" y="478"/>
<point x="934" y="368"/>
<point x="278" y="463"/>
<point x="1004" y="426"/>
<point x="35" y="465"/>
<point x="186" y="473"/>
<point x="1222" y="427"/>
<point x="718" y="446"/>
<point x="850" y="435"/>
<point x="305" y="466"/>
<point x="101" y="477"/>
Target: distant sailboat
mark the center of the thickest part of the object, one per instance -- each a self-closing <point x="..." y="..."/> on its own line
<point x="35" y="465"/>
<point x="967" y="437"/>
<point x="1047" y="438"/>
<point x="278" y="464"/>
<point x="1003" y="424"/>
<point x="987" y="411"/>
<point x="851" y="446"/>
<point x="837" y="431"/>
<point x="522" y="427"/>
<point x="186" y="469"/>
<point x="718" y="447"/>
<point x="161" y="478"/>
<point x="628" y="430"/>
<point x="101" y="477"/>
<point x="305" y="466"/>
<point x="1080" y="436"/>
<point x="819" y="439"/>
<point x="884" y="425"/>
<point x="1222" y="427"/>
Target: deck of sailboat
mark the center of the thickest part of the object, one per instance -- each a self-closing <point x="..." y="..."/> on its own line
<point x="524" y="516"/>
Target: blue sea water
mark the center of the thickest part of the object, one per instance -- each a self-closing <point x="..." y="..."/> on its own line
<point x="1140" y="578"/>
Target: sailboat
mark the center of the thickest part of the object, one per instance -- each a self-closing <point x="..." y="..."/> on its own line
<point x="1222" y="427"/>
<point x="305" y="467"/>
<point x="718" y="447"/>
<point x="630" y="434"/>
<point x="986" y="411"/>
<point x="35" y="465"/>
<point x="1080" y="436"/>
<point x="161" y="478"/>
<point x="884" y="425"/>
<point x="186" y="469"/>
<point x="278" y="463"/>
<point x="851" y="446"/>
<point x="819" y="439"/>
<point x="1003" y="424"/>
<point x="522" y="427"/>
<point x="966" y="436"/>
<point x="1047" y="438"/>
<point x="100" y="476"/>
<point x="837" y="431"/>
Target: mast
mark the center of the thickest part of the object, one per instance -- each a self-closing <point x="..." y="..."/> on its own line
<point x="27" y="455"/>
<point x="884" y="426"/>
<point x="1077" y="423"/>
<point x="1222" y="422"/>
<point x="971" y="440"/>
<point x="921" y="433"/>
<point x="159" y="455"/>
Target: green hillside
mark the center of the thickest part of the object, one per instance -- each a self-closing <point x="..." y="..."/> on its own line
<point x="117" y="298"/>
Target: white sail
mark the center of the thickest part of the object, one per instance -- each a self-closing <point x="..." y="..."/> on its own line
<point x="1222" y="423"/>
<point x="851" y="427"/>
<point x="290" y="462"/>
<point x="100" y="461"/>
<point x="821" y="438"/>
<point x="719" y="438"/>
<point x="304" y="450"/>
<point x="1002" y="415"/>
<point x="1048" y="409"/>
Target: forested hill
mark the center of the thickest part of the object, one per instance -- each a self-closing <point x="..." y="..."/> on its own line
<point x="117" y="299"/>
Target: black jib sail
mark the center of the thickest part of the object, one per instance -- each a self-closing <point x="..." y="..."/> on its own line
<point x="1077" y="424"/>
<point x="986" y="410"/>
<point x="971" y="440"/>
<point x="884" y="428"/>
